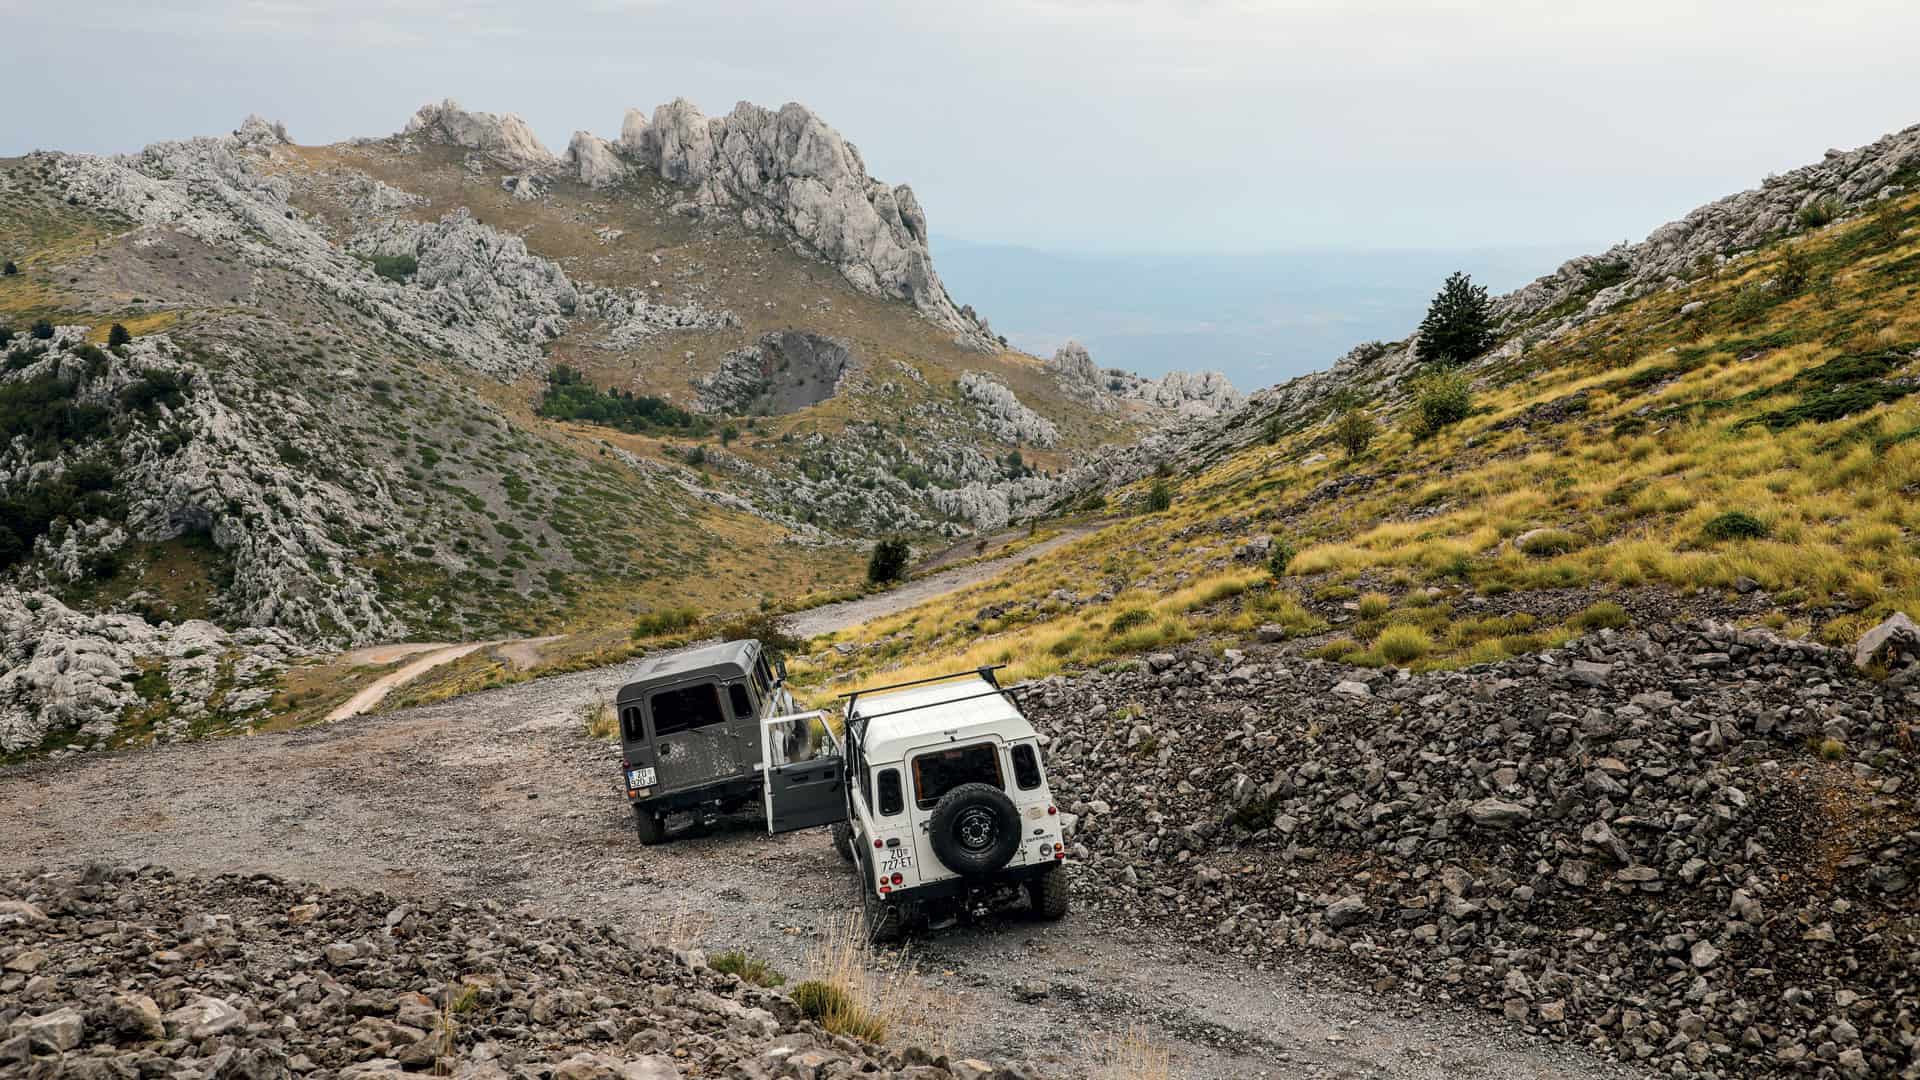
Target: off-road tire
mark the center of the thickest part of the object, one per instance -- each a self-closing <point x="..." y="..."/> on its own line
<point x="975" y="829"/>
<point x="648" y="825"/>
<point x="843" y="840"/>
<point x="1048" y="893"/>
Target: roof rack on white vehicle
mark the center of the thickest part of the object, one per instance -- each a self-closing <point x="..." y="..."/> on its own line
<point x="985" y="672"/>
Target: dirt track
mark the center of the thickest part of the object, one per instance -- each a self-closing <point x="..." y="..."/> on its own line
<point x="501" y="795"/>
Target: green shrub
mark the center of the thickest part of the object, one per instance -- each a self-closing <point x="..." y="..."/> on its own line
<point x="766" y="628"/>
<point x="1159" y="496"/>
<point x="888" y="562"/>
<point x="1401" y="643"/>
<point x="1272" y="430"/>
<point x="1795" y="270"/>
<point x="570" y="397"/>
<point x="117" y="336"/>
<point x="750" y="969"/>
<point x="1127" y="620"/>
<point x="1280" y="556"/>
<point x="1373" y="605"/>
<point x="696" y="456"/>
<point x="1354" y="431"/>
<point x="10" y="269"/>
<point x="1441" y="399"/>
<point x="818" y="1000"/>
<point x="1603" y="615"/>
<point x="1751" y="302"/>
<point x="1819" y="212"/>
<point x="42" y="330"/>
<point x="395" y="267"/>
<point x="1735" y="525"/>
<point x="1338" y="649"/>
<point x="667" y="621"/>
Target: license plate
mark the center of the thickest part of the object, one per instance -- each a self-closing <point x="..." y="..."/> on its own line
<point x="639" y="778"/>
<point x="896" y="859"/>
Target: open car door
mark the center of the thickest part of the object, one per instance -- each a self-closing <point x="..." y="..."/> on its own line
<point x="805" y="772"/>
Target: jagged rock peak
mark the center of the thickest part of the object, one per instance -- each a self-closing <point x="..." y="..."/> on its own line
<point x="1072" y="363"/>
<point x="503" y="137"/>
<point x="259" y="132"/>
<point x="786" y="171"/>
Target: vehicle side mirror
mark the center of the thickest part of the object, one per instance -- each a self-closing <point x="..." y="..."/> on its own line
<point x="780" y="668"/>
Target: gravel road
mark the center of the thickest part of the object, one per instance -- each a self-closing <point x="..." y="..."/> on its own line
<point x="500" y="795"/>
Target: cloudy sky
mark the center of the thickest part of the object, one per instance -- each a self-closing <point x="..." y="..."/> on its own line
<point x="1096" y="125"/>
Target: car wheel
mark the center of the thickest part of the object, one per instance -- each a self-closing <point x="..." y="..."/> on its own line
<point x="1048" y="893"/>
<point x="843" y="840"/>
<point x="974" y="829"/>
<point x="652" y="830"/>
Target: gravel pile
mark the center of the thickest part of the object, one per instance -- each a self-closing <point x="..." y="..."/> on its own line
<point x="116" y="975"/>
<point x="1693" y="847"/>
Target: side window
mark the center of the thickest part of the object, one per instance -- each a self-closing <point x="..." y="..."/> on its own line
<point x="742" y="704"/>
<point x="1026" y="767"/>
<point x="762" y="680"/>
<point x="630" y="722"/>
<point x="892" y="798"/>
<point x="685" y="709"/>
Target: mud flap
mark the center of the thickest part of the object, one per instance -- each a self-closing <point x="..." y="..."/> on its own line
<point x="804" y="777"/>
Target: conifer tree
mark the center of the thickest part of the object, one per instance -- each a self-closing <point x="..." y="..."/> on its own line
<point x="1459" y="323"/>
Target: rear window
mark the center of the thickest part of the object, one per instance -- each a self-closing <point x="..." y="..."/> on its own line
<point x="936" y="773"/>
<point x="630" y="722"/>
<point x="1026" y="767"/>
<point x="685" y="709"/>
<point x="892" y="799"/>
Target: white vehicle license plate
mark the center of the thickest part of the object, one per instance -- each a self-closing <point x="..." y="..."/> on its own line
<point x="638" y="778"/>
<point x="897" y="859"/>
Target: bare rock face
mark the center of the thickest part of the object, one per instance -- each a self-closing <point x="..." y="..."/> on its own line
<point x="594" y="161"/>
<point x="781" y="373"/>
<point x="1002" y="413"/>
<point x="787" y="172"/>
<point x="506" y="139"/>
<point x="1181" y="394"/>
<point x="71" y="675"/>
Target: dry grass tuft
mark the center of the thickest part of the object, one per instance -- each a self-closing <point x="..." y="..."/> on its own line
<point x="851" y="990"/>
<point x="1128" y="1055"/>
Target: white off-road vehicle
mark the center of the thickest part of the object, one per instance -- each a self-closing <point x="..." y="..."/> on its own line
<point x="937" y="793"/>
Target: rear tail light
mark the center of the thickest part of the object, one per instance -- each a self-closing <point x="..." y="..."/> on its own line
<point x="1053" y="810"/>
<point x="1059" y="851"/>
<point x="877" y="842"/>
<point x="897" y="879"/>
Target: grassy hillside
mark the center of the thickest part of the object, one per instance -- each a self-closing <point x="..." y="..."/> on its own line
<point x="1756" y="457"/>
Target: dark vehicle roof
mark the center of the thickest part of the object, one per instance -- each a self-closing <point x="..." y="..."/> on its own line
<point x="727" y="660"/>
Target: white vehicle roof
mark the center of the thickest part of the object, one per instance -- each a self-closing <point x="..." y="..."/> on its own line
<point x="951" y="711"/>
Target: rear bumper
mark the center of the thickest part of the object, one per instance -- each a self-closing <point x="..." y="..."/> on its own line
<point x="733" y="792"/>
<point x="960" y="886"/>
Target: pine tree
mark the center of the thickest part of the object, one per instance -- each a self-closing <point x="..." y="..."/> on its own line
<point x="118" y="336"/>
<point x="1459" y="324"/>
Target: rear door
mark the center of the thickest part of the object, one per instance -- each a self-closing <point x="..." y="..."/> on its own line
<point x="805" y="773"/>
<point x="693" y="743"/>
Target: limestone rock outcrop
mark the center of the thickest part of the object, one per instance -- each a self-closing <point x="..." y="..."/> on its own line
<point x="505" y="139"/>
<point x="1002" y="412"/>
<point x="787" y="172"/>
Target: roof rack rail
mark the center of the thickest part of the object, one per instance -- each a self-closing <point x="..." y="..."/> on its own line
<point x="985" y="672"/>
<point x="935" y="704"/>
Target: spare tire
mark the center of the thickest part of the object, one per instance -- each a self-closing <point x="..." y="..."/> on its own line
<point x="974" y="829"/>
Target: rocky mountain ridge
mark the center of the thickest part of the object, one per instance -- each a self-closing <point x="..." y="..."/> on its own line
<point x="781" y="171"/>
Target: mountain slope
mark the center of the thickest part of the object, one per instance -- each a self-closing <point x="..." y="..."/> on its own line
<point x="1739" y="442"/>
<point x="449" y="385"/>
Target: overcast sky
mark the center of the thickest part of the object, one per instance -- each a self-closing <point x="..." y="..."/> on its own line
<point x="1164" y="127"/>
